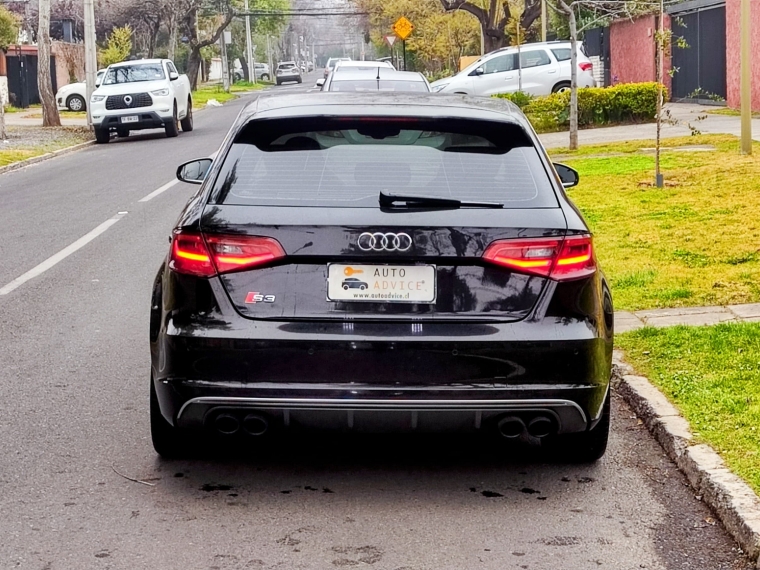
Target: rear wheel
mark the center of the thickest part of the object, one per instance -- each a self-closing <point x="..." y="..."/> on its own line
<point x="172" y="127"/>
<point x="588" y="446"/>
<point x="76" y="103"/>
<point x="168" y="441"/>
<point x="102" y="136"/>
<point x="561" y="87"/>
<point x="187" y="122"/>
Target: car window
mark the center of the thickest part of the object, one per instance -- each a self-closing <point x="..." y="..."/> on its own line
<point x="534" y="58"/>
<point x="348" y="162"/>
<point x="500" y="64"/>
<point x="562" y="54"/>
<point x="171" y="67"/>
<point x="382" y="85"/>
<point x="134" y="73"/>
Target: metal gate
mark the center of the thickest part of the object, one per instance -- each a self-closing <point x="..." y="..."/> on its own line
<point x="596" y="44"/>
<point x="701" y="67"/>
<point x="22" y="79"/>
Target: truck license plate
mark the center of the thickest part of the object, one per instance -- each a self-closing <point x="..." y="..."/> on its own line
<point x="130" y="119"/>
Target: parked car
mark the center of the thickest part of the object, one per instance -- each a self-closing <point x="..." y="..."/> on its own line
<point x="485" y="308"/>
<point x="262" y="71"/>
<point x="142" y="94"/>
<point x="73" y="97"/>
<point x="358" y="79"/>
<point x="353" y="64"/>
<point x="287" y="71"/>
<point x="331" y="64"/>
<point x="544" y="67"/>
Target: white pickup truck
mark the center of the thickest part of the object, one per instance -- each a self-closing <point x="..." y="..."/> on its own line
<point x="141" y="94"/>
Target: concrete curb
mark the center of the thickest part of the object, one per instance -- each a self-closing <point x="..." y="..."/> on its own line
<point x="732" y="500"/>
<point x="43" y="157"/>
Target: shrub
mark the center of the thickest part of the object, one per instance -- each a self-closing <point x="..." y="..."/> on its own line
<point x="622" y="103"/>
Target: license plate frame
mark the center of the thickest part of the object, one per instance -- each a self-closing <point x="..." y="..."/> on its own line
<point x="130" y="119"/>
<point x="385" y="283"/>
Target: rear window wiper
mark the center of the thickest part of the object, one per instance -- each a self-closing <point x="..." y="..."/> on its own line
<point x="393" y="200"/>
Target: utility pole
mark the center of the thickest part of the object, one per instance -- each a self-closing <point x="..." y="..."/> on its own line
<point x="225" y="65"/>
<point x="746" y="79"/>
<point x="248" y="50"/>
<point x="543" y="20"/>
<point x="90" y="53"/>
<point x="269" y="56"/>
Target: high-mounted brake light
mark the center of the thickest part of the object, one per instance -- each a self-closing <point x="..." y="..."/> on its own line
<point x="561" y="259"/>
<point x="586" y="66"/>
<point x="194" y="255"/>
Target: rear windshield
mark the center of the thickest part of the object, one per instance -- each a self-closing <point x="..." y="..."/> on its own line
<point x="375" y="85"/>
<point x="346" y="163"/>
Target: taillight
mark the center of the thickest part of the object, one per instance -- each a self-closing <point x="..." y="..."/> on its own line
<point x="194" y="255"/>
<point x="561" y="259"/>
<point x="586" y="66"/>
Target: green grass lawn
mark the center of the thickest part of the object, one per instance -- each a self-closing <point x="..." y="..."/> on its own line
<point x="712" y="374"/>
<point x="694" y="242"/>
<point x="207" y="92"/>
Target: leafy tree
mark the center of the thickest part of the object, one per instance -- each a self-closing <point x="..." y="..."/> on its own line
<point x="8" y="35"/>
<point x="118" y="48"/>
<point x="495" y="18"/>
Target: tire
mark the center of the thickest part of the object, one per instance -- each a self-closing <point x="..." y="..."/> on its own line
<point x="278" y="82"/>
<point x="187" y="122"/>
<point x="172" y="128"/>
<point x="300" y="81"/>
<point x="363" y="288"/>
<point x="168" y="441"/>
<point x="345" y="287"/>
<point x="265" y="77"/>
<point x="561" y="87"/>
<point x="102" y="136"/>
<point x="76" y="103"/>
<point x="122" y="133"/>
<point x="588" y="446"/>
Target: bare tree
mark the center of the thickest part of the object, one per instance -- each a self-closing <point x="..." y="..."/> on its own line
<point x="50" y="117"/>
<point x="596" y="12"/>
<point x="494" y="19"/>
<point x="189" y="25"/>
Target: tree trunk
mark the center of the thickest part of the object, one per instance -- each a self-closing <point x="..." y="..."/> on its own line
<point x="3" y="134"/>
<point x="50" y="117"/>
<point x="570" y="13"/>
<point x="246" y="73"/>
<point x="193" y="65"/>
<point x="172" y="38"/>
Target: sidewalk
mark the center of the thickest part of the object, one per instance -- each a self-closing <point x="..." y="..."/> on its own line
<point x="693" y="316"/>
<point x="683" y="112"/>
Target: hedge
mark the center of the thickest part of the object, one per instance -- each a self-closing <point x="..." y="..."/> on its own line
<point x="623" y="103"/>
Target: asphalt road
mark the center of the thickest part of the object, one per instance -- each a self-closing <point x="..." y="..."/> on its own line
<point x="74" y="412"/>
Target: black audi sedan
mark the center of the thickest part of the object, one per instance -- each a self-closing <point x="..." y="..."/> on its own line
<point x="484" y="308"/>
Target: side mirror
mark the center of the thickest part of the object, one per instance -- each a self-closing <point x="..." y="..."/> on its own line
<point x="479" y="71"/>
<point x="173" y="76"/>
<point x="195" y="171"/>
<point x="320" y="82"/>
<point x="97" y="83"/>
<point x="568" y="176"/>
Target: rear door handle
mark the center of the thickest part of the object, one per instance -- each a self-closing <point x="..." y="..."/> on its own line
<point x="552" y="71"/>
<point x="508" y="77"/>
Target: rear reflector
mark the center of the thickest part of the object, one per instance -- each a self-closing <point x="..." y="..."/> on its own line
<point x="561" y="259"/>
<point x="586" y="66"/>
<point x="194" y="255"/>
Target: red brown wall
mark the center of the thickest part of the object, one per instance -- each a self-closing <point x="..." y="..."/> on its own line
<point x="733" y="60"/>
<point x="633" y="50"/>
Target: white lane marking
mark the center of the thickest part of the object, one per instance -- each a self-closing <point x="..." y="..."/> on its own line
<point x="61" y="255"/>
<point x="158" y="191"/>
<point x="168" y="185"/>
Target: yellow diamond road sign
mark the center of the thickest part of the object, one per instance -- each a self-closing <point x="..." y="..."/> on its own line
<point x="403" y="28"/>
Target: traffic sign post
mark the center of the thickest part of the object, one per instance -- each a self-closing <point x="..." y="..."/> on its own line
<point x="403" y="28"/>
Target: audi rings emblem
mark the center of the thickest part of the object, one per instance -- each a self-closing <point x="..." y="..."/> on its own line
<point x="379" y="241"/>
<point x="127" y="100"/>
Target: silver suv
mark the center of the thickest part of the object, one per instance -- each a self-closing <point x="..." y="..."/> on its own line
<point x="544" y="67"/>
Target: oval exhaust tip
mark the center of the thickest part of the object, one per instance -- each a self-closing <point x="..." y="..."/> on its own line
<point x="511" y="427"/>
<point x="226" y="424"/>
<point x="540" y="426"/>
<point x="255" y="425"/>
